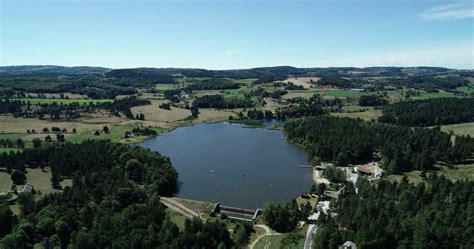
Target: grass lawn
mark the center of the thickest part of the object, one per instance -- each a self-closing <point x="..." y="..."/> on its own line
<point x="163" y="87"/>
<point x="66" y="101"/>
<point x="116" y="134"/>
<point x="460" y="129"/>
<point x="344" y="93"/>
<point x="426" y="95"/>
<point x="274" y="241"/>
<point x="176" y="218"/>
<point x="8" y="150"/>
<point x="365" y="115"/>
<point x="12" y="136"/>
<point x="456" y="173"/>
<point x="5" y="181"/>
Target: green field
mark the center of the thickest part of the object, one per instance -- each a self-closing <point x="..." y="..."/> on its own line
<point x="163" y="87"/>
<point x="460" y="129"/>
<point x="12" y="136"/>
<point x="427" y="95"/>
<point x="275" y="241"/>
<point x="8" y="150"/>
<point x="458" y="172"/>
<point x="65" y="101"/>
<point x="245" y="81"/>
<point x="344" y="93"/>
<point x="116" y="134"/>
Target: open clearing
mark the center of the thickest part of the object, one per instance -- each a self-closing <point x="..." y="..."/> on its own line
<point x="458" y="172"/>
<point x="275" y="241"/>
<point x="365" y="115"/>
<point x="8" y="150"/>
<point x="154" y="113"/>
<point x="39" y="178"/>
<point x="305" y="82"/>
<point x="344" y="94"/>
<point x="460" y="129"/>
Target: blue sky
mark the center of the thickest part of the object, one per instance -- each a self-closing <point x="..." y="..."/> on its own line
<point x="218" y="34"/>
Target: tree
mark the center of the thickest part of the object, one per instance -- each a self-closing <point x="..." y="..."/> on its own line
<point x="18" y="177"/>
<point x="106" y="130"/>
<point x="37" y="142"/>
<point x="97" y="133"/>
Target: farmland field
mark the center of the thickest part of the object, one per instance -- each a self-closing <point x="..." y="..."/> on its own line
<point x="460" y="129"/>
<point x="344" y="93"/>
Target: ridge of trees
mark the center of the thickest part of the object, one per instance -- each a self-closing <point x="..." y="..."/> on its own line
<point x="347" y="140"/>
<point x="435" y="214"/>
<point x="429" y="112"/>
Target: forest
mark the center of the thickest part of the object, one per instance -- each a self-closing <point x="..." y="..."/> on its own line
<point x="347" y="140"/>
<point x="301" y="107"/>
<point x="435" y="214"/>
<point x="213" y="84"/>
<point x="218" y="102"/>
<point x="113" y="202"/>
<point x="429" y="112"/>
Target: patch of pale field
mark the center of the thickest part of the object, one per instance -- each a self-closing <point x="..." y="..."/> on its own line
<point x="154" y="113"/>
<point x="213" y="115"/>
<point x="5" y="181"/>
<point x="298" y="82"/>
<point x="10" y="124"/>
<point x="298" y="93"/>
<point x="58" y="95"/>
<point x="460" y="129"/>
<point x="271" y="103"/>
<point x="366" y="115"/>
<point x="39" y="178"/>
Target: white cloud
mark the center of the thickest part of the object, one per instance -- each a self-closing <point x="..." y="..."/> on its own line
<point x="447" y="12"/>
<point x="230" y="53"/>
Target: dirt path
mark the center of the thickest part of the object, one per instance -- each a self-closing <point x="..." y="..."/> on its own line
<point x="172" y="204"/>
<point x="268" y="232"/>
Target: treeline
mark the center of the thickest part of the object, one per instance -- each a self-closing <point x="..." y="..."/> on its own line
<point x="428" y="83"/>
<point x="218" y="101"/>
<point x="429" y="112"/>
<point x="124" y="105"/>
<point x="113" y="202"/>
<point x="21" y="108"/>
<point x="139" y="77"/>
<point x="301" y="107"/>
<point x="372" y="100"/>
<point x="93" y="85"/>
<point x="285" y="217"/>
<point x="213" y="84"/>
<point x="342" y="82"/>
<point x="347" y="140"/>
<point x="435" y="214"/>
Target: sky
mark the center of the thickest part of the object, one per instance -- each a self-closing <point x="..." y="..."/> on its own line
<point x="232" y="34"/>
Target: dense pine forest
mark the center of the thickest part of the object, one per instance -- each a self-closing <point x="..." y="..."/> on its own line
<point x="429" y="112"/>
<point x="346" y="140"/>
<point x="435" y="214"/>
<point x="112" y="203"/>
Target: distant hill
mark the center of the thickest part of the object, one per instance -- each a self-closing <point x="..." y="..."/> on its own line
<point x="260" y="72"/>
<point x="51" y="70"/>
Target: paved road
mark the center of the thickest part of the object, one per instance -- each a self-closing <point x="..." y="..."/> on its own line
<point x="308" y="243"/>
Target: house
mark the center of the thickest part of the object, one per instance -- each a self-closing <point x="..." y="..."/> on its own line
<point x="349" y="245"/>
<point x="370" y="169"/>
<point x="323" y="206"/>
<point x="27" y="188"/>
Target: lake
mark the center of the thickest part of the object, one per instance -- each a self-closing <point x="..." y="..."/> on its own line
<point x="234" y="165"/>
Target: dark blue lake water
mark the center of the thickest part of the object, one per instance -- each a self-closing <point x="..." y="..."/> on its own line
<point x="234" y="165"/>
